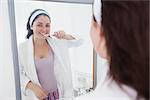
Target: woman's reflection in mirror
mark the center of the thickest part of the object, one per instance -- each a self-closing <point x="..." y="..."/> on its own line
<point x="44" y="60"/>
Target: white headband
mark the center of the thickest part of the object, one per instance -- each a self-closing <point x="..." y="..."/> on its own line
<point x="36" y="14"/>
<point x="97" y="11"/>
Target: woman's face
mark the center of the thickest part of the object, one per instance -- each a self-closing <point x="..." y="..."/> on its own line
<point x="98" y="39"/>
<point x="41" y="26"/>
<point x="95" y="35"/>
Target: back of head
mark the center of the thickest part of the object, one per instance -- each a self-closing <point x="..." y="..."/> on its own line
<point x="126" y="28"/>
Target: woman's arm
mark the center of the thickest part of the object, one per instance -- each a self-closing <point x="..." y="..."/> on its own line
<point x="26" y="82"/>
<point x="73" y="42"/>
<point x="63" y="35"/>
<point x="38" y="91"/>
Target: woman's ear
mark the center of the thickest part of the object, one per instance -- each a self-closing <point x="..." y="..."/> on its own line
<point x="101" y="31"/>
<point x="102" y="42"/>
<point x="99" y="28"/>
<point x="103" y="48"/>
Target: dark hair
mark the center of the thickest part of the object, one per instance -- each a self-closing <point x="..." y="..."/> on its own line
<point x="30" y="31"/>
<point x="126" y="28"/>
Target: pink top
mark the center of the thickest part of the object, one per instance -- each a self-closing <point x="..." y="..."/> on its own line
<point x="46" y="76"/>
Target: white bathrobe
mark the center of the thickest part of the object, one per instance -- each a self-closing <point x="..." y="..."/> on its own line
<point x="108" y="89"/>
<point x="62" y="67"/>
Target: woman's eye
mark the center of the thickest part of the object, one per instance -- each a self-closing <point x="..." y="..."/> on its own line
<point x="39" y="25"/>
<point x="47" y="25"/>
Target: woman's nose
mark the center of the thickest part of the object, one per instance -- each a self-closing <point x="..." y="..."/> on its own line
<point x="44" y="30"/>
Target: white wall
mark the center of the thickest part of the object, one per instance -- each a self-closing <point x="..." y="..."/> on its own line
<point x="7" y="83"/>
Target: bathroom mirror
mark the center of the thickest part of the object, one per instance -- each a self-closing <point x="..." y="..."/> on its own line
<point x="74" y="18"/>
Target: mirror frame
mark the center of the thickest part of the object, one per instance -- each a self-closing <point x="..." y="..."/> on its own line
<point x="11" y="11"/>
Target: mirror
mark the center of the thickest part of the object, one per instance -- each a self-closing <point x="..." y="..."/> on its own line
<point x="74" y="19"/>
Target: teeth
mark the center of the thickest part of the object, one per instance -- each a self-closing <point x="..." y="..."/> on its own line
<point x="46" y="35"/>
<point x="42" y="33"/>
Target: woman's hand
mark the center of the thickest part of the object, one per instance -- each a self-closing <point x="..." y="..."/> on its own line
<point x="63" y="35"/>
<point x="38" y="91"/>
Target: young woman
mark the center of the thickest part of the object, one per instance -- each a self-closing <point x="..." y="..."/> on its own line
<point x="44" y="61"/>
<point x="120" y="36"/>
